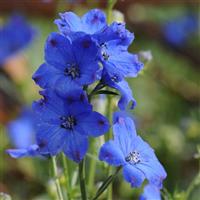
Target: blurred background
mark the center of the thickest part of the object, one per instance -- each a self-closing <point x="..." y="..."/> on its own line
<point x="167" y="91"/>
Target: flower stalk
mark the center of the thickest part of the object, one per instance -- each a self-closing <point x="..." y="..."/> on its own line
<point x="82" y="180"/>
<point x="57" y="182"/>
<point x="67" y="177"/>
<point x="106" y="183"/>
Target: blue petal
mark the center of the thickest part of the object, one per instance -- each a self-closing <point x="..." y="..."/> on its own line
<point x="70" y="97"/>
<point x="127" y="64"/>
<point x="88" y="73"/>
<point x="112" y="154"/>
<point x="124" y="132"/>
<point x="85" y="50"/>
<point x="154" y="172"/>
<point x="126" y="95"/>
<point x="21" y="130"/>
<point x="69" y="22"/>
<point x="78" y="109"/>
<point x="50" y="107"/>
<point x="66" y="84"/>
<point x="31" y="151"/>
<point x="75" y="146"/>
<point x="133" y="176"/>
<point x="116" y="33"/>
<point x="150" y="193"/>
<point x="50" y="138"/>
<point x="94" y="124"/>
<point x="115" y="81"/>
<point x="143" y="147"/>
<point x="15" y="35"/>
<point x="46" y="76"/>
<point x="58" y="51"/>
<point x="93" y="21"/>
<point x="17" y="153"/>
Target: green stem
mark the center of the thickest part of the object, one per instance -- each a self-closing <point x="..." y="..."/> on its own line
<point x="57" y="182"/>
<point x="109" y="137"/>
<point x="92" y="170"/>
<point x="110" y="6"/>
<point x="82" y="180"/>
<point x="67" y="178"/>
<point x="195" y="182"/>
<point x="106" y="183"/>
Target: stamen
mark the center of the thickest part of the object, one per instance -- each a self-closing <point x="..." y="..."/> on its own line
<point x="68" y="122"/>
<point x="133" y="157"/>
<point x="105" y="55"/>
<point x="72" y="71"/>
<point x="103" y="51"/>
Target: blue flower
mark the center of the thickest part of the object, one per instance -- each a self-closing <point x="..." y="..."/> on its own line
<point x="14" y="36"/>
<point x="31" y="151"/>
<point x="177" y="31"/>
<point x="21" y="130"/>
<point x="122" y="86"/>
<point x="130" y="151"/>
<point x="151" y="192"/>
<point x="90" y="23"/>
<point x="68" y="64"/>
<point x="113" y="40"/>
<point x="64" y="125"/>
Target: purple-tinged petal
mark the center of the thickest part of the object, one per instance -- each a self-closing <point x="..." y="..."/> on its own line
<point x="58" y="51"/>
<point x="95" y="124"/>
<point x="126" y="95"/>
<point x="85" y="50"/>
<point x="69" y="22"/>
<point x="124" y="132"/>
<point x="31" y="151"/>
<point x="75" y="146"/>
<point x="93" y="21"/>
<point x="151" y="192"/>
<point x="111" y="153"/>
<point x="127" y="64"/>
<point x="17" y="153"/>
<point x="132" y="175"/>
<point x="154" y="172"/>
<point x="46" y="76"/>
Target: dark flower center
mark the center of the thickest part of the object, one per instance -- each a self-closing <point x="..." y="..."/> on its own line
<point x="133" y="157"/>
<point x="104" y="52"/>
<point x="105" y="55"/>
<point x="68" y="122"/>
<point x="72" y="71"/>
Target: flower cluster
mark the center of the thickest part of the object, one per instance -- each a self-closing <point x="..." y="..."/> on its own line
<point x="89" y="51"/>
<point x="14" y="36"/>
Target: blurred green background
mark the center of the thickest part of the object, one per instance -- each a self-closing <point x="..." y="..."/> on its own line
<point x="167" y="93"/>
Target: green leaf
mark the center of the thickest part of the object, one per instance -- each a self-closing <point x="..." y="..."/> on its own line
<point x="105" y="92"/>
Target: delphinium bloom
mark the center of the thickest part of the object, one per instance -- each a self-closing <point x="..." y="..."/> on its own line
<point x="14" y="36"/>
<point x="21" y="130"/>
<point x="132" y="153"/>
<point x="113" y="41"/>
<point x="69" y="64"/>
<point x="65" y="121"/>
<point x="151" y="192"/>
<point x="177" y="31"/>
